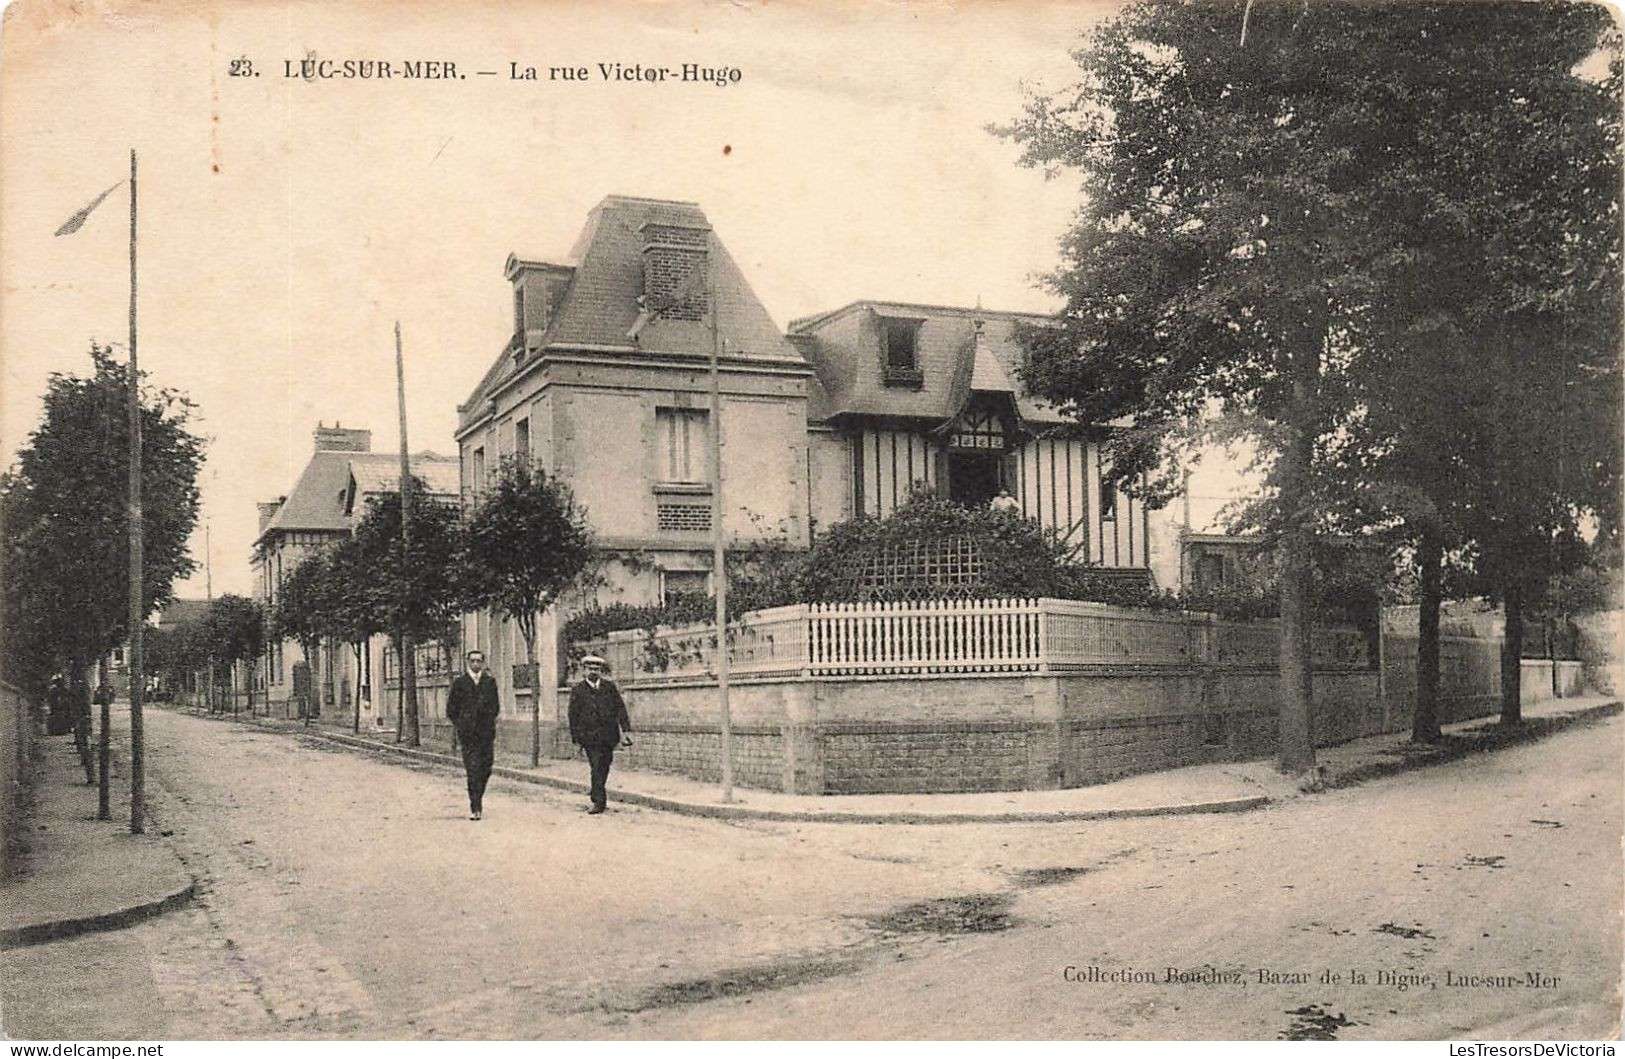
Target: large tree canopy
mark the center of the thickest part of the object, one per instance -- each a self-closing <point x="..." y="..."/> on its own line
<point x="1292" y="222"/>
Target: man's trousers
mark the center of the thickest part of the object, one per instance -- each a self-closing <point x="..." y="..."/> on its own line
<point x="477" y="758"/>
<point x="599" y="757"/>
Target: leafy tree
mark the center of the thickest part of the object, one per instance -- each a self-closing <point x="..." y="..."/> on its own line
<point x="416" y="594"/>
<point x="526" y="542"/>
<point x="1297" y="228"/>
<point x="1489" y="407"/>
<point x="234" y="630"/>
<point x="351" y="611"/>
<point x="305" y="609"/>
<point x="65" y="514"/>
<point x="1220" y="247"/>
<point x="175" y="653"/>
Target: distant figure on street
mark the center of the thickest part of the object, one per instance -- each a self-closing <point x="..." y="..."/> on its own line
<point x="59" y="719"/>
<point x="1004" y="502"/>
<point x="471" y="706"/>
<point x="598" y="722"/>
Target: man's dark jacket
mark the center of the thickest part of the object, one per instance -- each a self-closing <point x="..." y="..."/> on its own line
<point x="473" y="708"/>
<point x="597" y="715"/>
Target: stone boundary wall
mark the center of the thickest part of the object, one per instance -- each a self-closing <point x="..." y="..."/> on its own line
<point x="17" y="737"/>
<point x="991" y="732"/>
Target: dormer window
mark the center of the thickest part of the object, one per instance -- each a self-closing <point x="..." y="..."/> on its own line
<point x="899" y="348"/>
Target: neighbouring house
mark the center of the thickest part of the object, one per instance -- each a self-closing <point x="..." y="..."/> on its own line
<point x="324" y="506"/>
<point x="1211" y="561"/>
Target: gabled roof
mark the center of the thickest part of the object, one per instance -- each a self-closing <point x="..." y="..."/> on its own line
<point x="181" y="612"/>
<point x="320" y="501"/>
<point x="599" y="306"/>
<point x="959" y="351"/>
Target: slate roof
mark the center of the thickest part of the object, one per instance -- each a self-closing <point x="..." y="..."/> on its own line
<point x="320" y="499"/>
<point x="372" y="476"/>
<point x="600" y="303"/>
<point x="845" y="348"/>
<point x="182" y="612"/>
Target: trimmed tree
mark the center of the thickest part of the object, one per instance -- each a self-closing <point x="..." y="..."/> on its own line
<point x="235" y="632"/>
<point x="304" y="612"/>
<point x="414" y="595"/>
<point x="355" y="617"/>
<point x="526" y="542"/>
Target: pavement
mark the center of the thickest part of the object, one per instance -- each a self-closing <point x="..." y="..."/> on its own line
<point x="80" y="874"/>
<point x="1218" y="788"/>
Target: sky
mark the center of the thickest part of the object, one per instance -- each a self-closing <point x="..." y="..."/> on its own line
<point x="286" y="225"/>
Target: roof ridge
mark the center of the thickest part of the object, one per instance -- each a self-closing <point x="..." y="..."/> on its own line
<point x="963" y="310"/>
<point x="613" y="197"/>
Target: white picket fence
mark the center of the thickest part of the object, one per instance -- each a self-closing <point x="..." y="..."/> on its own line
<point x="957" y="636"/>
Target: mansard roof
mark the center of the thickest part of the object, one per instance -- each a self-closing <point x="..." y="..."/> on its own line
<point x="959" y="351"/>
<point x="599" y="305"/>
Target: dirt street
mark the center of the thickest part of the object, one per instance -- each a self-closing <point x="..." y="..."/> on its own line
<point x="346" y="896"/>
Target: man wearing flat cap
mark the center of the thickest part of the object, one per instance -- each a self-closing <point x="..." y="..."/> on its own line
<point x="598" y="722"/>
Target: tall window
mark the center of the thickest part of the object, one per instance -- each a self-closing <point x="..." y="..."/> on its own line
<point x="900" y="336"/>
<point x="901" y="365"/>
<point x="521" y="438"/>
<point x="1108" y="501"/>
<point x="477" y="470"/>
<point x="682" y="440"/>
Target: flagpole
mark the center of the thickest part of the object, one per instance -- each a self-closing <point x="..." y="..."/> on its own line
<point x="138" y="614"/>
<point x="719" y="566"/>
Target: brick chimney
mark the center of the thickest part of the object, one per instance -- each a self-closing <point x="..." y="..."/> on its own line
<point x="674" y="263"/>
<point x="268" y="510"/>
<point x="337" y="439"/>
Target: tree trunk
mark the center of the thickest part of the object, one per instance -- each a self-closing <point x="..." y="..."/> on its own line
<point x="1425" y="721"/>
<point x="408" y="730"/>
<point x="360" y="645"/>
<point x="1297" y="747"/>
<point x="1512" y="657"/>
<point x="528" y="627"/>
<point x="80" y="704"/>
<point x="1551" y="656"/>
<point x="104" y="796"/>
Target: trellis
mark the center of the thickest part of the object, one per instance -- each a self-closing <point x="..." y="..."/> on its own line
<point x="949" y="568"/>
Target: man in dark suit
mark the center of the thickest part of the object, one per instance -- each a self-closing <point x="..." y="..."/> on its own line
<point x="598" y="722"/>
<point x="471" y="705"/>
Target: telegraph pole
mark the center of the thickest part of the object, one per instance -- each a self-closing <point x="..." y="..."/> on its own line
<point x="409" y="666"/>
<point x="719" y="563"/>
<point x="208" y="593"/>
<point x="138" y="610"/>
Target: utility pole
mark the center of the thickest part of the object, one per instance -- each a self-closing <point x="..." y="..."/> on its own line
<point x="138" y="610"/>
<point x="719" y="563"/>
<point x="408" y="726"/>
<point x="208" y="592"/>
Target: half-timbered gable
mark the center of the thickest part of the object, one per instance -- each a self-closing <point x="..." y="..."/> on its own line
<point x="917" y="396"/>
